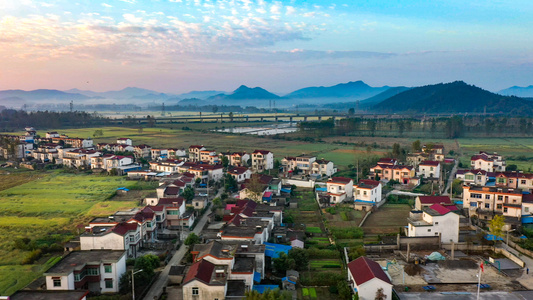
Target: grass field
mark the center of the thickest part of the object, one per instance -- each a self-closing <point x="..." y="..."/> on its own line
<point x="49" y="207"/>
<point x="320" y="264"/>
<point x="388" y="219"/>
<point x="10" y="179"/>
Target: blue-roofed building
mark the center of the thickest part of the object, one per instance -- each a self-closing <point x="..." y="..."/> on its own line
<point x="491" y="237"/>
<point x="273" y="250"/>
<point x="261" y="288"/>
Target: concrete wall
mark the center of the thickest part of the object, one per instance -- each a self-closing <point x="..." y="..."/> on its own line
<point x="300" y="183"/>
<point x="510" y="256"/>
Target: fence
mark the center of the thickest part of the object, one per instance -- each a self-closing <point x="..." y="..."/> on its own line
<point x="300" y="183"/>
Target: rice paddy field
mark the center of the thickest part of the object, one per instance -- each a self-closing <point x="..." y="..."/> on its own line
<point x="44" y="207"/>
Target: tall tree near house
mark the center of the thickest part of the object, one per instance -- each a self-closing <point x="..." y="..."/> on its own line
<point x="496" y="225"/>
<point x="188" y="193"/>
<point x="255" y="187"/>
<point x="416" y="146"/>
<point x="380" y="294"/>
<point x="225" y="162"/>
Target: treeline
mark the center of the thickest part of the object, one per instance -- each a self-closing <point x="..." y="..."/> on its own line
<point x="443" y="127"/>
<point x="11" y="119"/>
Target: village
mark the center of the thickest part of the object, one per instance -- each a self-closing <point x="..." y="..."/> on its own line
<point x="226" y="224"/>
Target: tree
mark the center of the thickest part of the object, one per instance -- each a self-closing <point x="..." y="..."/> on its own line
<point x="380" y="295"/>
<point x="300" y="257"/>
<point x="371" y="126"/>
<point x="230" y="184"/>
<point x="215" y="109"/>
<point x="396" y="150"/>
<point x="283" y="263"/>
<point x="98" y="133"/>
<point x="225" y="161"/>
<point x="148" y="263"/>
<point x="416" y="146"/>
<point x="192" y="239"/>
<point x="496" y="225"/>
<point x="345" y="292"/>
<point x="188" y="193"/>
<point x="230" y="115"/>
<point x="255" y="187"/>
<point x="275" y="294"/>
<point x="351" y="111"/>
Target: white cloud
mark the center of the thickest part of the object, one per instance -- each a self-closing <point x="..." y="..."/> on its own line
<point x="275" y="9"/>
<point x="106" y="5"/>
<point x="131" y="18"/>
<point x="128" y="1"/>
<point x="290" y="10"/>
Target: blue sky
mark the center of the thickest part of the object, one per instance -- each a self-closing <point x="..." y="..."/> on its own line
<point x="182" y="45"/>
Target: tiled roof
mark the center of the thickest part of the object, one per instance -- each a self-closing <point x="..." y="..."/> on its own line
<point x="340" y="180"/>
<point x="435" y="199"/>
<point x="430" y="163"/>
<point x="200" y="270"/>
<point x="261" y="151"/>
<point x="364" y="269"/>
<point x="123" y="228"/>
<point x="442" y="210"/>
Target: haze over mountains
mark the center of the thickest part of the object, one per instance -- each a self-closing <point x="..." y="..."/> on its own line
<point x="452" y="97"/>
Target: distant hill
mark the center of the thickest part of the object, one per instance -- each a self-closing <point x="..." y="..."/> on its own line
<point x="200" y="94"/>
<point x="354" y="89"/>
<point x="393" y="91"/>
<point x="518" y="91"/>
<point x="151" y="97"/>
<point x="192" y="101"/>
<point x="454" y="97"/>
<point x="244" y="93"/>
<point x="125" y="93"/>
<point x="41" y="94"/>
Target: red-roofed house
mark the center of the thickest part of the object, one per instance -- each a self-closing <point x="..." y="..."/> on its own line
<point x="427" y="201"/>
<point x="340" y="189"/>
<point x="240" y="173"/>
<point x="194" y="152"/>
<point x="367" y="277"/>
<point x="123" y="236"/>
<point x="435" y="220"/>
<point x="262" y="160"/>
<point x="429" y="169"/>
<point x="205" y="280"/>
<point x="367" y="191"/>
<point x="488" y="162"/>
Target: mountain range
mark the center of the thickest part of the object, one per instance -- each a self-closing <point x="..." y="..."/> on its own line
<point x="451" y="97"/>
<point x="518" y="91"/>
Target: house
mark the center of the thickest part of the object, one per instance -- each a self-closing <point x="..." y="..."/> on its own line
<point x="52" y="134"/>
<point x="436" y="220"/>
<point x="323" y="167"/>
<point x="340" y="189"/>
<point x="520" y="180"/>
<point x="255" y="187"/>
<point x="194" y="152"/>
<point x="387" y="172"/>
<point x="240" y="173"/>
<point x="123" y="236"/>
<point x="124" y="141"/>
<point x="262" y="160"/>
<point x="95" y="270"/>
<point x="205" y="281"/>
<point x="175" y="153"/>
<point x="366" y="193"/>
<point x="158" y="154"/>
<point x="366" y="277"/>
<point x="485" y="202"/>
<point x="429" y="169"/>
<point x="169" y="165"/>
<point x="427" y="201"/>
<point x="209" y="157"/>
<point x="175" y="208"/>
<point x="477" y="177"/>
<point x="176" y="274"/>
<point x="301" y="163"/>
<point x="488" y="162"/>
<point x="142" y="151"/>
<point x="290" y="280"/>
<point x="236" y="159"/>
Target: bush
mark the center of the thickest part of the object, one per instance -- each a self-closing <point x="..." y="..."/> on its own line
<point x="322" y="253"/>
<point x="32" y="257"/>
<point x="347" y="233"/>
<point x="322" y="279"/>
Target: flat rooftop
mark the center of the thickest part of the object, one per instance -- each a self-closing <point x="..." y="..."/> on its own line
<point x="48" y="295"/>
<point x="243" y="264"/>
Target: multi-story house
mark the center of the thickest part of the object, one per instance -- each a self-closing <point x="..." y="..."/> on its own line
<point x="240" y="173"/>
<point x="205" y="281"/>
<point x="123" y="236"/>
<point x="175" y="153"/>
<point x="209" y="156"/>
<point x="476" y="177"/>
<point x="488" y="162"/>
<point x="262" y="160"/>
<point x="426" y="201"/>
<point x="194" y="152"/>
<point x="429" y="169"/>
<point x="402" y="174"/>
<point x="142" y="151"/>
<point x="52" y="134"/>
<point x="159" y="154"/>
<point x="367" y="191"/>
<point x="175" y="208"/>
<point x="366" y="277"/>
<point x="169" y="165"/>
<point x="436" y="220"/>
<point x="124" y="141"/>
<point x="323" y="167"/>
<point x="485" y="202"/>
<point x="340" y="189"/>
<point x="236" y="159"/>
<point x="95" y="270"/>
<point x="303" y="163"/>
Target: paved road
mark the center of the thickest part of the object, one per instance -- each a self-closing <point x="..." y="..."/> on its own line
<point x="157" y="288"/>
<point x="448" y="188"/>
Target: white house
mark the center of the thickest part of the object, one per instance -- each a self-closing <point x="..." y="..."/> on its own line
<point x="240" y="173"/>
<point x="434" y="221"/>
<point x="427" y="201"/>
<point x="368" y="191"/>
<point x="429" y="169"/>
<point x="366" y="277"/>
<point x="96" y="270"/>
<point x="323" y="167"/>
<point x="339" y="189"/>
<point x="477" y="177"/>
<point x="52" y="134"/>
<point x="262" y="160"/>
<point x="123" y="236"/>
<point x="488" y="162"/>
<point x="124" y="141"/>
<point x="205" y="281"/>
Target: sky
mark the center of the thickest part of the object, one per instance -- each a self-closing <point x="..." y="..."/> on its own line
<point x="176" y="46"/>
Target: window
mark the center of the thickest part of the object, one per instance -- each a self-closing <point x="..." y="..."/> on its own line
<point x="436" y="223"/>
<point x="173" y="212"/>
<point x="93" y="271"/>
<point x="196" y="204"/>
<point x="473" y="204"/>
<point x="499" y="206"/>
<point x="526" y="209"/>
<point x="510" y="181"/>
<point x="108" y="283"/>
<point x="364" y="193"/>
<point x="505" y="209"/>
<point x="523" y="182"/>
<point x="500" y="197"/>
<point x="469" y="177"/>
<point x="108" y="268"/>
<point x="195" y="291"/>
<point x="429" y="230"/>
<point x="501" y="180"/>
<point x="487" y="197"/>
<point x="475" y="196"/>
<point x="57" y="282"/>
<point x="487" y="205"/>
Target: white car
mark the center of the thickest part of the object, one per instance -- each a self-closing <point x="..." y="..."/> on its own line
<point x="202" y="194"/>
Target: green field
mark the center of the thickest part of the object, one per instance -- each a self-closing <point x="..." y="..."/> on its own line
<point x="313" y="229"/>
<point x="49" y="208"/>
